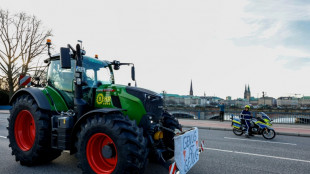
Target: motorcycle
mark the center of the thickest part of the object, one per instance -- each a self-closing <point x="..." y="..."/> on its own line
<point x="260" y="125"/>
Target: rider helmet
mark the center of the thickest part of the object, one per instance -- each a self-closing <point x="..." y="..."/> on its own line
<point x="247" y="106"/>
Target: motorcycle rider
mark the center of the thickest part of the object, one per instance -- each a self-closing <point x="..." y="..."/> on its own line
<point x="246" y="115"/>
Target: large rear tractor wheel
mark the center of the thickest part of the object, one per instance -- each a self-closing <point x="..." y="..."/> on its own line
<point x="30" y="133"/>
<point x="111" y="144"/>
<point x="172" y="123"/>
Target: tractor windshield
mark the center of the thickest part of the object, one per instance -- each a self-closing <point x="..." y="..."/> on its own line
<point x="96" y="72"/>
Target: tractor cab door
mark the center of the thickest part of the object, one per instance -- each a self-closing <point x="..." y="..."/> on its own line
<point x="62" y="80"/>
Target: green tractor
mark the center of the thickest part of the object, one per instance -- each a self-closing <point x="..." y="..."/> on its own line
<point x="111" y="128"/>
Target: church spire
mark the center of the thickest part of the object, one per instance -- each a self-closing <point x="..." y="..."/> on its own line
<point x="248" y="88"/>
<point x="191" y="93"/>
<point x="245" y="92"/>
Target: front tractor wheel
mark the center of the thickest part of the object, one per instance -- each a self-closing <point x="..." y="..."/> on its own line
<point x="111" y="144"/>
<point x="172" y="123"/>
<point x="29" y="132"/>
<point x="101" y="153"/>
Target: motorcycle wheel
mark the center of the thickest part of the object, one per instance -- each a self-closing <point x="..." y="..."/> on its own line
<point x="269" y="134"/>
<point x="237" y="132"/>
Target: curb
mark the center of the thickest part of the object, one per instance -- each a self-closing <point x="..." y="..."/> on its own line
<point x="229" y="129"/>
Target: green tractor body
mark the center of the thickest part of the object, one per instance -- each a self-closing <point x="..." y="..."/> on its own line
<point x="112" y="128"/>
<point x="99" y="90"/>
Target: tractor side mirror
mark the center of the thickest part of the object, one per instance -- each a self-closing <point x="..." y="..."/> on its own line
<point x="116" y="64"/>
<point x="133" y="74"/>
<point x="65" y="58"/>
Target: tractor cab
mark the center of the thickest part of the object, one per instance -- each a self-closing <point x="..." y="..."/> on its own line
<point x="95" y="74"/>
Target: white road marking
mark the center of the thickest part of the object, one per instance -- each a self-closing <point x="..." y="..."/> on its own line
<point x="2" y="136"/>
<point x="260" y="155"/>
<point x="261" y="141"/>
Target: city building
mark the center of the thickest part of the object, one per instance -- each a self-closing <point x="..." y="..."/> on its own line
<point x="304" y="102"/>
<point x="254" y="101"/>
<point x="212" y="101"/>
<point x="239" y="103"/>
<point x="190" y="100"/>
<point x="173" y="99"/>
<point x="287" y="102"/>
<point x="267" y="101"/>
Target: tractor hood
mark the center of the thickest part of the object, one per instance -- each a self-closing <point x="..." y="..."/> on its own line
<point x="141" y="90"/>
<point x="152" y="102"/>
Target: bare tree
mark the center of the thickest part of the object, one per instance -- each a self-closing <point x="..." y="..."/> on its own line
<point x="22" y="38"/>
<point x="38" y="72"/>
<point x="4" y="84"/>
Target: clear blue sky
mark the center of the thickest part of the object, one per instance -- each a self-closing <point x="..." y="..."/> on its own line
<point x="220" y="44"/>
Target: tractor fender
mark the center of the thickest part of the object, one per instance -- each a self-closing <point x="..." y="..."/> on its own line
<point x="83" y="118"/>
<point x="36" y="93"/>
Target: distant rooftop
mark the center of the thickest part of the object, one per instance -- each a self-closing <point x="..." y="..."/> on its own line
<point x="171" y="95"/>
<point x="253" y="99"/>
<point x="188" y="96"/>
<point x="267" y="97"/>
<point x="287" y="98"/>
<point x="241" y="99"/>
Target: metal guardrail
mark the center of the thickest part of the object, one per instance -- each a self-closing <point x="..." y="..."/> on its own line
<point x="277" y="117"/>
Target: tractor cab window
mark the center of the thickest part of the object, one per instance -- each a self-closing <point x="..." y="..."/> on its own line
<point x="62" y="80"/>
<point x="96" y="72"/>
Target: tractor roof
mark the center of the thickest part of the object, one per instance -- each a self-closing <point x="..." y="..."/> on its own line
<point x="92" y="59"/>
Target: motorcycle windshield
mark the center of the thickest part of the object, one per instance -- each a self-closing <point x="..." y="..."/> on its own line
<point x="265" y="116"/>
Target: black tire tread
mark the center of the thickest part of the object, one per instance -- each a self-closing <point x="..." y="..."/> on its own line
<point x="131" y="144"/>
<point x="41" y="152"/>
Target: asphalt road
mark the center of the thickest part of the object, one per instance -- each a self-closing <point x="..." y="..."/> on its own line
<point x="224" y="153"/>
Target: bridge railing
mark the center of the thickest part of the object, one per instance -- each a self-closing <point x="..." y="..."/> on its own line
<point x="277" y="117"/>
